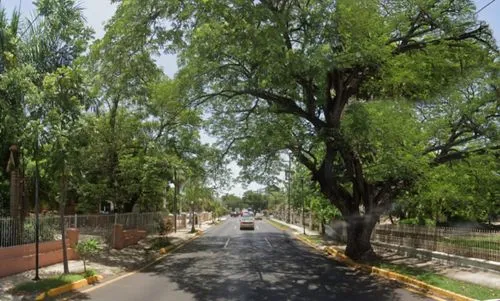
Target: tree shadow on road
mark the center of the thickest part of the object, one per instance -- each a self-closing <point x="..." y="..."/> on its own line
<point x="276" y="269"/>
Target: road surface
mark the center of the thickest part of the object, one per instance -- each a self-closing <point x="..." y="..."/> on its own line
<point x="266" y="264"/>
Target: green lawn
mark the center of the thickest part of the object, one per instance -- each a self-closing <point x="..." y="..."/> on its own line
<point x="460" y="287"/>
<point x="44" y="285"/>
<point x="492" y="243"/>
<point x="160" y="242"/>
<point x="317" y="239"/>
<point x="278" y="225"/>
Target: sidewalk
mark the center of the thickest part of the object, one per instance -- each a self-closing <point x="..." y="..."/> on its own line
<point x="296" y="228"/>
<point x="109" y="263"/>
<point x="479" y="276"/>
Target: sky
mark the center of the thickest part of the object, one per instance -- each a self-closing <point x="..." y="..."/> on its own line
<point x="97" y="12"/>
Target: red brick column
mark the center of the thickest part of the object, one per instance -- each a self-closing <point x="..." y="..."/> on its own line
<point x="118" y="237"/>
<point x="72" y="234"/>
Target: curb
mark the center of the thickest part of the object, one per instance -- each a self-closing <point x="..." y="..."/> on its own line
<point x="69" y="287"/>
<point x="420" y="285"/>
<point x="163" y="253"/>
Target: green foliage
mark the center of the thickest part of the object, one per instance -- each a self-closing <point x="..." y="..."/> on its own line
<point x="163" y="226"/>
<point x="86" y="250"/>
<point x="44" y="285"/>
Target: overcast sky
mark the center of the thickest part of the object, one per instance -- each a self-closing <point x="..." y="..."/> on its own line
<point x="98" y="12"/>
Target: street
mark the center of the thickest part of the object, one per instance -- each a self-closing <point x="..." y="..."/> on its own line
<point x="266" y="264"/>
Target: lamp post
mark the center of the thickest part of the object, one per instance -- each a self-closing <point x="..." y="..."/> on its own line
<point x="37" y="210"/>
<point x="172" y="185"/>
<point x="192" y="217"/>
<point x="289" y="185"/>
<point x="303" y="205"/>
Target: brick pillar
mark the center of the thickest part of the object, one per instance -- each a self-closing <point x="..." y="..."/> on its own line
<point x="72" y="234"/>
<point x="118" y="237"/>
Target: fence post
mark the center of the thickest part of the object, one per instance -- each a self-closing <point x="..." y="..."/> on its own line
<point x="76" y="222"/>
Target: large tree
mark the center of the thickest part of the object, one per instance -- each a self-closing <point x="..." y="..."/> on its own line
<point x="282" y="75"/>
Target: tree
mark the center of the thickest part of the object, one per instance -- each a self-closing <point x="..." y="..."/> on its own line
<point x="232" y="202"/>
<point x="283" y="75"/>
<point x="87" y="249"/>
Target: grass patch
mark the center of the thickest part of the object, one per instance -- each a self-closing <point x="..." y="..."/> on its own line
<point x="160" y="242"/>
<point x="460" y="287"/>
<point x="475" y="242"/>
<point x="44" y="285"/>
<point x="317" y="239"/>
<point x="278" y="225"/>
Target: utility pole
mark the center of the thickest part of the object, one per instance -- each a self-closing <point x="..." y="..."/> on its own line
<point x="289" y="185"/>
<point x="303" y="205"/>
<point x="37" y="210"/>
<point x="175" y="200"/>
<point x="192" y="217"/>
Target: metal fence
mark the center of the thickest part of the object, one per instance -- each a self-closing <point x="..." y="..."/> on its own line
<point x="16" y="232"/>
<point x="476" y="243"/>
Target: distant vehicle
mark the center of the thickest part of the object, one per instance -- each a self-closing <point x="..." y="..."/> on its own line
<point x="258" y="217"/>
<point x="247" y="221"/>
<point x="235" y="214"/>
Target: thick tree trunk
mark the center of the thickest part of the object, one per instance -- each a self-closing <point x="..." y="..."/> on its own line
<point x="359" y="230"/>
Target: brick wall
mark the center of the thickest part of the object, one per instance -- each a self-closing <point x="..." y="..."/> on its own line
<point x="22" y="258"/>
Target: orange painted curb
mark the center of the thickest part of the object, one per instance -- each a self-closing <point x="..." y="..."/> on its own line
<point x="398" y="277"/>
<point x="69" y="287"/>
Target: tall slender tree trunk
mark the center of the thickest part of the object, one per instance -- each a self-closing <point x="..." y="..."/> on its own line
<point x="13" y="167"/>
<point x="62" y="205"/>
<point x="113" y="154"/>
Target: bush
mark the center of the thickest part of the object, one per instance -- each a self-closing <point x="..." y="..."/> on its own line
<point x="164" y="226"/>
<point x="417" y="221"/>
<point x="48" y="230"/>
<point x="87" y="249"/>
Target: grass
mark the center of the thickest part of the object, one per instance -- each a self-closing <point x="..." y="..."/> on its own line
<point x="317" y="239"/>
<point x="160" y="242"/>
<point x="278" y="225"/>
<point x="460" y="287"/>
<point x="477" y="242"/>
<point x="44" y="285"/>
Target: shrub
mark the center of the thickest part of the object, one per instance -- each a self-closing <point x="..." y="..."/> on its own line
<point x="86" y="249"/>
<point x="163" y="226"/>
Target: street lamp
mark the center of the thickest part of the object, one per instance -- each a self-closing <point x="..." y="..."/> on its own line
<point x="289" y="184"/>
<point x="172" y="185"/>
<point x="37" y="210"/>
<point x="303" y="204"/>
<point x="192" y="217"/>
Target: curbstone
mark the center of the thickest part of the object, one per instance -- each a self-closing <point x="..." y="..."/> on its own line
<point x="69" y="287"/>
<point x="420" y="285"/>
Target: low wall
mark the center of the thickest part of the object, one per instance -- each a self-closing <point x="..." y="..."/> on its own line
<point x="124" y="238"/>
<point x="22" y="258"/>
<point x="181" y="221"/>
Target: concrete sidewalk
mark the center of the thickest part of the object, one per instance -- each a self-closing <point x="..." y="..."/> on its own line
<point x="109" y="263"/>
<point x="296" y="228"/>
<point x="474" y="275"/>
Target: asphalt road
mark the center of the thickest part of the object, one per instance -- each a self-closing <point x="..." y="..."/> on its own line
<point x="265" y="264"/>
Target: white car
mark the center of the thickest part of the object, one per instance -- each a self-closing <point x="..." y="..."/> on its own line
<point x="247" y="221"/>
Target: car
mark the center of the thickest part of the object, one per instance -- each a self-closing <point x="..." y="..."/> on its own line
<point x="234" y="214"/>
<point x="247" y="221"/>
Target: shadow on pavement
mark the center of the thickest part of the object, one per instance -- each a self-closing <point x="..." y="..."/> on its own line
<point x="252" y="268"/>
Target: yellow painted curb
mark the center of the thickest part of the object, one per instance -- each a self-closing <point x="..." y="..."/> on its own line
<point x="69" y="287"/>
<point x="422" y="286"/>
